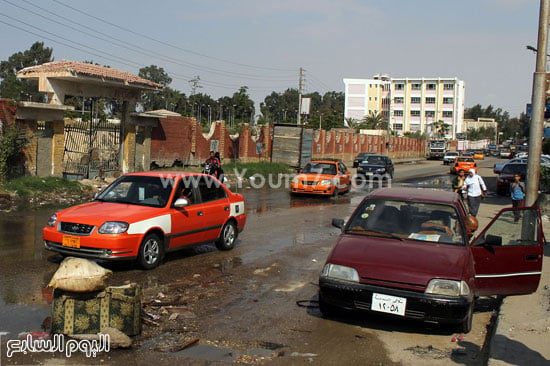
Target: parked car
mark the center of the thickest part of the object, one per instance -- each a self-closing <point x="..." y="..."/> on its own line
<point x="506" y="176"/>
<point x="449" y="157"/>
<point x="376" y="166"/>
<point x="407" y="253"/>
<point x="497" y="167"/>
<point x="463" y="163"/>
<point x="327" y="177"/>
<point x="359" y="158"/>
<point x="144" y="215"/>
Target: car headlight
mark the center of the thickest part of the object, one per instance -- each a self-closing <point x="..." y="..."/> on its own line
<point x="113" y="227"/>
<point x="339" y="272"/>
<point x="439" y="286"/>
<point x="295" y="180"/>
<point x="53" y="220"/>
<point x="380" y="170"/>
<point x="325" y="182"/>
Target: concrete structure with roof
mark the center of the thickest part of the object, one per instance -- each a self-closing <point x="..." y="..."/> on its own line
<point x="59" y="79"/>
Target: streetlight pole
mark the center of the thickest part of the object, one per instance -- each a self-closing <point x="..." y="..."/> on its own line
<point x="209" y="115"/>
<point x="538" y="104"/>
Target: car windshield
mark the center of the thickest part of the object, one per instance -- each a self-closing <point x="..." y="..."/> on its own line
<point x="407" y="220"/>
<point x="466" y="160"/>
<point x="138" y="190"/>
<point x="373" y="159"/>
<point x="320" y="168"/>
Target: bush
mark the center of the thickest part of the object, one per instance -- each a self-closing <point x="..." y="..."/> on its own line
<point x="27" y="186"/>
<point x="263" y="168"/>
<point x="12" y="142"/>
<point x="544" y="179"/>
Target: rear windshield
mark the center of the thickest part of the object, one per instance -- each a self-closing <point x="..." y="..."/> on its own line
<point x="515" y="168"/>
<point x="467" y="160"/>
<point x="407" y="220"/>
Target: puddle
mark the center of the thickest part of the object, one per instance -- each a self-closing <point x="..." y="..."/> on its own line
<point x="18" y="318"/>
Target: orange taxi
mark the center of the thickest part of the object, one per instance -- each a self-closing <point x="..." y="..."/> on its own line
<point x="322" y="177"/>
<point x="463" y="163"/>
<point x="142" y="216"/>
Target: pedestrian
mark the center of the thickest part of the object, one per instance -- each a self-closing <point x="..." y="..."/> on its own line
<point x="458" y="182"/>
<point x="475" y="189"/>
<point x="517" y="192"/>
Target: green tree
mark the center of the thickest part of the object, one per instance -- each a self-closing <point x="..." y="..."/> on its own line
<point x="440" y="128"/>
<point x="23" y="89"/>
<point x="152" y="100"/>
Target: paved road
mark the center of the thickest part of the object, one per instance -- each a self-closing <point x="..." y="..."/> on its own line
<point x="257" y="303"/>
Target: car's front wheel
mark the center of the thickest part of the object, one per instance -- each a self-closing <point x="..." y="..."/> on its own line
<point x="228" y="236"/>
<point x="466" y="325"/>
<point x="150" y="252"/>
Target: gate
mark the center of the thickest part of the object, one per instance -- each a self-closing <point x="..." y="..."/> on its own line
<point x="92" y="149"/>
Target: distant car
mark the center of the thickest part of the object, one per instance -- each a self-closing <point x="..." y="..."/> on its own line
<point x="506" y="153"/>
<point x="376" y="166"/>
<point x="449" y="157"/>
<point x="506" y="176"/>
<point x="467" y="153"/>
<point x="144" y="215"/>
<point x="463" y="163"/>
<point x="407" y="253"/>
<point x="479" y="155"/>
<point x="359" y="158"/>
<point x="522" y="154"/>
<point x="328" y="177"/>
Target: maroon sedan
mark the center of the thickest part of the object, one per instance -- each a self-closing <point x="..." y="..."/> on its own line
<point x="408" y="252"/>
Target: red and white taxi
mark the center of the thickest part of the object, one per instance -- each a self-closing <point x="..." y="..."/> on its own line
<point x="144" y="215"/>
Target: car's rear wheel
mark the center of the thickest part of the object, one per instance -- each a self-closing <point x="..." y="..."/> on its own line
<point x="150" y="252"/>
<point x="228" y="236"/>
<point x="335" y="193"/>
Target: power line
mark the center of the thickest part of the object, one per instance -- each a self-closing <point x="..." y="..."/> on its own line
<point x="166" y="43"/>
<point x="123" y="44"/>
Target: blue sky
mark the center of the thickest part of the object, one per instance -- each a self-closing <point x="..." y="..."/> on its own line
<point x="262" y="44"/>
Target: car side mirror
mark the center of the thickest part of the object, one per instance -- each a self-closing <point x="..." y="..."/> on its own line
<point x="492" y="240"/>
<point x="181" y="202"/>
<point x="339" y="223"/>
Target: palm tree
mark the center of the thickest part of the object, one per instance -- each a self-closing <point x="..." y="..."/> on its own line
<point x="440" y="128"/>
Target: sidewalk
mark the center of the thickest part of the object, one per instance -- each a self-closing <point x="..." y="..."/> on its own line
<point x="522" y="331"/>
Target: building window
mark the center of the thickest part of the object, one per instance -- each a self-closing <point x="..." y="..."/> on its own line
<point x="448" y="86"/>
<point x="429" y="113"/>
<point x="430" y="86"/>
<point x="430" y="100"/>
<point x="415" y="113"/>
<point x="398" y="113"/>
<point x="399" y="87"/>
<point x="447" y="100"/>
<point x="398" y="100"/>
<point x="398" y="126"/>
<point x="415" y="100"/>
<point x="415" y="86"/>
<point x="447" y="113"/>
<point x="370" y="99"/>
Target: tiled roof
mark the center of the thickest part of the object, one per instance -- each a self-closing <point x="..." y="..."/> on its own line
<point x="85" y="69"/>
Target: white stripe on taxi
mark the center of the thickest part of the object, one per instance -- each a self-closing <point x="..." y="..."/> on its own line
<point x="163" y="222"/>
<point x="236" y="208"/>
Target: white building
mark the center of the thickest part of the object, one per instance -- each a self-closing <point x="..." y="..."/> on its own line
<point x="410" y="104"/>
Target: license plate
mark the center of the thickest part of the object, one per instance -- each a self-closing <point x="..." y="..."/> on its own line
<point x="388" y="304"/>
<point x="71" y="241"/>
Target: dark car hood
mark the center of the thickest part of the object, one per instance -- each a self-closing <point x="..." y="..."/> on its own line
<point x="372" y="166"/>
<point x="407" y="262"/>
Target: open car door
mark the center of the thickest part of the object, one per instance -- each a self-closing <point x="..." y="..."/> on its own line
<point x="508" y="253"/>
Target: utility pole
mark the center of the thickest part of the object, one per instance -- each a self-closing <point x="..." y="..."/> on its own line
<point x="538" y="103"/>
<point x="299" y="118"/>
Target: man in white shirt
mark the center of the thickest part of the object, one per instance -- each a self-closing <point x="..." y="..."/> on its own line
<point x="474" y="187"/>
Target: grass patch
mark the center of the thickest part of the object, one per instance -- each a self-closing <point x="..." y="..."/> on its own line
<point x="27" y="186"/>
<point x="263" y="168"/>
